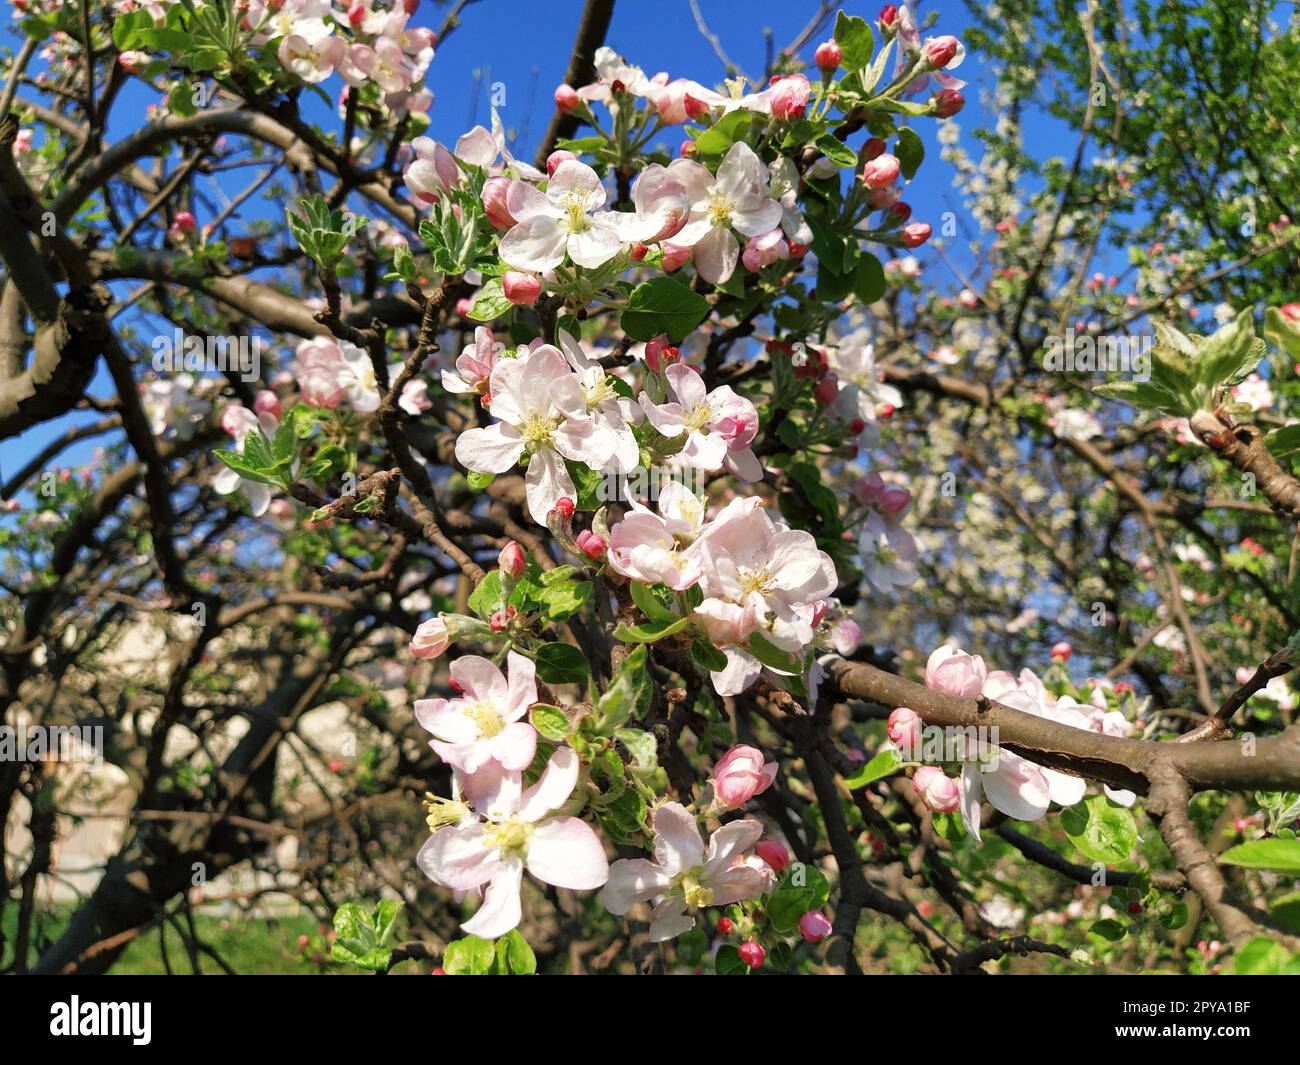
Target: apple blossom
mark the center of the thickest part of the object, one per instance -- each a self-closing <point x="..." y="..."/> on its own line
<point x="881" y="171"/>
<point x="683" y="876"/>
<point x="517" y="834"/>
<point x="659" y="548"/>
<point x="485" y="722"/>
<point x="524" y="392"/>
<point x="733" y="199"/>
<point x="916" y="234"/>
<point x="738" y="776"/>
<point x="904" y="730"/>
<point x="788" y="98"/>
<point x="937" y="790"/>
<point x="474" y="365"/>
<point x="718" y="426"/>
<point x="814" y="926"/>
<point x="752" y="954"/>
<point x="954" y="672"/>
<point x="828" y="56"/>
<point x="519" y="288"/>
<point x="774" y="853"/>
<point x="431" y="639"/>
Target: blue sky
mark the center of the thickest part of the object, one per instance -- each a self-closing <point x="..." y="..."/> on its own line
<point x="525" y="48"/>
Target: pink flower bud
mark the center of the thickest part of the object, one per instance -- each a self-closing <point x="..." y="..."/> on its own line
<point x="814" y="927"/>
<point x="638" y="251"/>
<point x="872" y="149"/>
<point x="904" y="730"/>
<point x="826" y="390"/>
<point x="1291" y="312"/>
<point x="464" y="306"/>
<point x="675" y="256"/>
<point x="937" y="790"/>
<point x="519" y="288"/>
<point x="557" y="157"/>
<point x="494" y="202"/>
<point x="941" y="51"/>
<point x="739" y="775"/>
<point x="133" y="61"/>
<point x="954" y="672"/>
<point x="881" y="171"/>
<point x="267" y="402"/>
<point x="888" y="15"/>
<point x="774" y="853"/>
<point x="512" y="560"/>
<point x="828" y="56"/>
<point x="185" y="222"/>
<point x="659" y="354"/>
<point x="1062" y="651"/>
<point x="789" y="97"/>
<point x="431" y="639"/>
<point x="893" y="500"/>
<point x="726" y="926"/>
<point x="886" y="197"/>
<point x="500" y="621"/>
<point x="591" y="545"/>
<point x="916" y="234"/>
<point x="752" y="954"/>
<point x="564" y="506"/>
<point x="948" y="102"/>
<point x="567" y="99"/>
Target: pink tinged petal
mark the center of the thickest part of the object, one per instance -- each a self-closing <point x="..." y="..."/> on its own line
<point x="501" y="910"/>
<point x="259" y="497"/>
<point x="514" y="746"/>
<point x="491" y="450"/>
<point x="744" y="464"/>
<point x="573" y="175"/>
<point x="669" y="920"/>
<point x="545" y="483"/>
<point x="1064" y="789"/>
<point x="1017" y="788"/>
<point x="553" y="788"/>
<point x="668" y="418"/>
<point x="757" y="220"/>
<point x="716" y="255"/>
<point x="742" y="670"/>
<point x="536" y="244"/>
<point x="467" y="757"/>
<point x="523" y="201"/>
<point x="731" y="841"/>
<point x="492" y="787"/>
<point x="595" y="246"/>
<point x="631" y="881"/>
<point x="703" y="452"/>
<point x="687" y="385"/>
<point x="677" y="839"/>
<point x="456" y="858"/>
<point x="564" y="851"/>
<point x="523" y="685"/>
<point x="479" y="679"/>
<point x="478" y="148"/>
<point x="445" y="721"/>
<point x="1122" y="796"/>
<point x="968" y="788"/>
<point x="732" y="885"/>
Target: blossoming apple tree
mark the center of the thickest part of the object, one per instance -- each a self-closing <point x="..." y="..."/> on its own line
<point x="590" y="488"/>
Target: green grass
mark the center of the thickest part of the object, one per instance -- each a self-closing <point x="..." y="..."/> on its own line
<point x="263" y="945"/>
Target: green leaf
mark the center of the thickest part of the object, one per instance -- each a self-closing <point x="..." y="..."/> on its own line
<point x="479" y="481"/>
<point x="649" y="602"/>
<point x="1146" y="396"/>
<point x="643" y="747"/>
<point x="1282" y="855"/>
<point x="490" y="302"/>
<point x="1263" y="957"/>
<point x="718" y="139"/>
<point x="1229" y="352"/>
<point x="562" y="663"/>
<point x="727" y="962"/>
<point x="910" y="151"/>
<point x="560" y="601"/>
<point x="1109" y="929"/>
<point x="364" y="939"/>
<point x="868" y="279"/>
<point x="628" y="696"/>
<point x="1284" y="441"/>
<point x="519" y="955"/>
<point x="774" y="657"/>
<point x="885" y="762"/>
<point x="1100" y="829"/>
<point x="663" y="305"/>
<point x="708" y="656"/>
<point x="856" y="40"/>
<point x="591" y="485"/>
<point x="470" y="956"/>
<point x="650" y="631"/>
<point x="485" y="599"/>
<point x="836" y="150"/>
<point x="551" y="722"/>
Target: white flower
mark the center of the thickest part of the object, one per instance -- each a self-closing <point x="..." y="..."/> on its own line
<point x="524" y="393"/>
<point x="683" y="875"/>
<point x="735" y="199"/>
